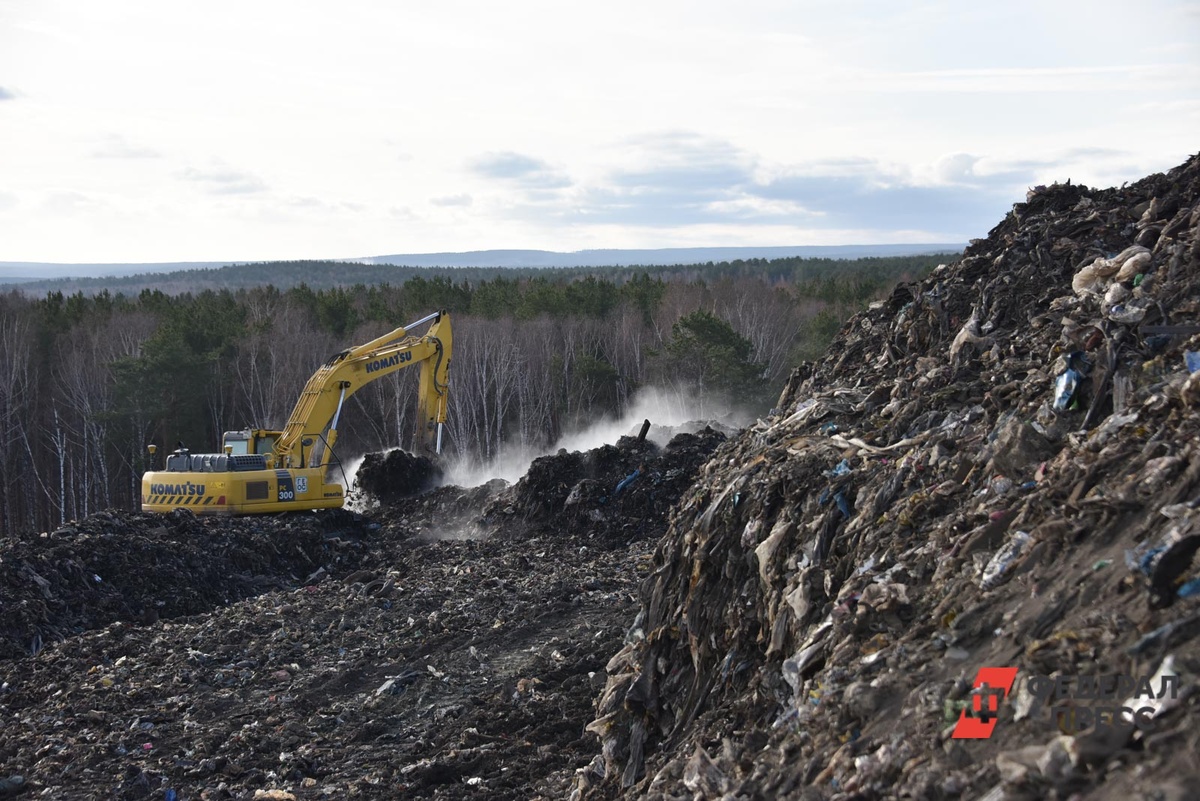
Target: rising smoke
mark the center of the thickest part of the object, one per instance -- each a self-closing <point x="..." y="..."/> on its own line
<point x="668" y="412"/>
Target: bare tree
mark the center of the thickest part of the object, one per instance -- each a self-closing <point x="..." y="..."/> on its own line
<point x="767" y="316"/>
<point x="275" y="361"/>
<point x="484" y="380"/>
<point x="16" y="387"/>
<point x="385" y="406"/>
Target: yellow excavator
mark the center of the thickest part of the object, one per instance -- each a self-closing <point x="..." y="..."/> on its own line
<point x="263" y="471"/>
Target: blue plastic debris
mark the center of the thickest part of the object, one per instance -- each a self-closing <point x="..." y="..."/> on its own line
<point x="1160" y="635"/>
<point x="1157" y="342"/>
<point x="1143" y="562"/>
<point x="625" y="482"/>
<point x="842" y="469"/>
<point x="1189" y="589"/>
<point x="842" y="504"/>
<point x="1192" y="359"/>
<point x="1066" y="386"/>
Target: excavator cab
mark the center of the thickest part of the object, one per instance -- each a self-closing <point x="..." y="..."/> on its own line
<point x="250" y="440"/>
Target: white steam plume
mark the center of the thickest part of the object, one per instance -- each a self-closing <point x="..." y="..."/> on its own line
<point x="663" y="408"/>
<point x="660" y="407"/>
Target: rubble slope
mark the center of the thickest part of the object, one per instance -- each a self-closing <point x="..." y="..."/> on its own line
<point x="996" y="467"/>
<point x="616" y="493"/>
<point x="428" y="650"/>
<point x="117" y="566"/>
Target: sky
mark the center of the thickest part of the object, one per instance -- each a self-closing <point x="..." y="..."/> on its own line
<point x="144" y="131"/>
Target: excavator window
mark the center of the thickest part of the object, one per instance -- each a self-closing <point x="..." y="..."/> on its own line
<point x="236" y="442"/>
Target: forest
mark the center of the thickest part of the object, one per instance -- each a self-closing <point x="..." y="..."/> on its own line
<point x="87" y="381"/>
<point x="326" y="274"/>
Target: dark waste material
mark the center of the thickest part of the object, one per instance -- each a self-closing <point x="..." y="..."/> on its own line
<point x="142" y="567"/>
<point x="12" y="786"/>
<point x="396" y="475"/>
<point x="1002" y="436"/>
<point x="614" y="492"/>
<point x="428" y="651"/>
<point x="456" y="669"/>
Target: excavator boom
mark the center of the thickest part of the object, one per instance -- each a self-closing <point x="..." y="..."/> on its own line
<point x="264" y="471"/>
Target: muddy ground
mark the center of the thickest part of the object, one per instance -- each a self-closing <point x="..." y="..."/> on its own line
<point x="341" y="656"/>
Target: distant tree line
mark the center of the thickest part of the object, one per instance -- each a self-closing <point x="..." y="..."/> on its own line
<point x="87" y="381"/>
<point x="327" y="274"/>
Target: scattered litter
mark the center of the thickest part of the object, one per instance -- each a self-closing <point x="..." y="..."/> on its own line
<point x="1004" y="559"/>
<point x="1025" y="412"/>
<point x="291" y="637"/>
<point x="1066" y="386"/>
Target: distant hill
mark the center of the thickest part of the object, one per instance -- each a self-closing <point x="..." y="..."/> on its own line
<point x="17" y="271"/>
<point x="13" y="272"/>
<point x="176" y="277"/>
<point x="611" y="257"/>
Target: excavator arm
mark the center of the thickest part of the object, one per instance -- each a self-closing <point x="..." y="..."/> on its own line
<point x="319" y="407"/>
<point x="263" y="471"/>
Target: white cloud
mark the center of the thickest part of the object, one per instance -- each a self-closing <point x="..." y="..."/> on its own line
<point x="116" y="146"/>
<point x="519" y="168"/>
<point x="955" y="168"/>
<point x="451" y="200"/>
<point x="758" y="208"/>
<point x="71" y="203"/>
<point x="1039" y="80"/>
<point x="223" y="180"/>
<point x="467" y="125"/>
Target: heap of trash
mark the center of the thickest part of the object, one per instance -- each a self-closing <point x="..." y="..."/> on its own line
<point x="118" y="566"/>
<point x="448" y="669"/>
<point x="615" y="493"/>
<point x="396" y="475"/>
<point x="957" y="561"/>
<point x="426" y="648"/>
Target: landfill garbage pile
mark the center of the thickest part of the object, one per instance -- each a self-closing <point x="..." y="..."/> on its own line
<point x="614" y="493"/>
<point x="662" y="434"/>
<point x="425" y="650"/>
<point x="449" y="669"/>
<point x="998" y="467"/>
<point x="396" y="475"/>
<point x="141" y="567"/>
<point x="446" y="513"/>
